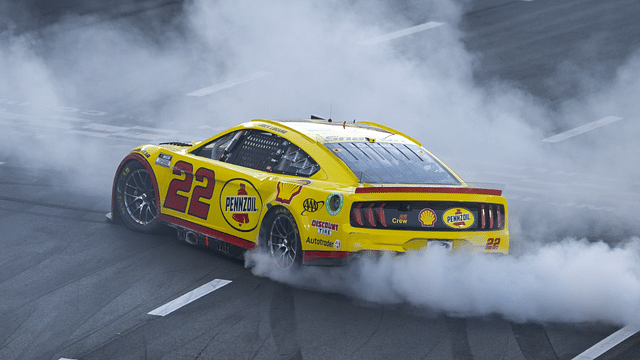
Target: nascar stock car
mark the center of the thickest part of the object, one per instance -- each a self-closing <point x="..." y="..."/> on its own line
<point x="313" y="192"/>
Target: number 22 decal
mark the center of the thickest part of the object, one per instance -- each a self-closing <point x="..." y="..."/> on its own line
<point x="492" y="244"/>
<point x="179" y="202"/>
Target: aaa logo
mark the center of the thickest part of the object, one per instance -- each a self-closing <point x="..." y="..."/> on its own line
<point x="311" y="205"/>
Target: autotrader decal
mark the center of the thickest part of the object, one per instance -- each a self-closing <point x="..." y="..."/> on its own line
<point x="240" y="204"/>
<point x="311" y="205"/>
<point x="320" y="242"/>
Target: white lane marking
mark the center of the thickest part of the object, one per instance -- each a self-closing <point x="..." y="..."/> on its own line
<point x="608" y="343"/>
<point x="189" y="297"/>
<point x="582" y="129"/>
<point x="66" y="359"/>
<point x="401" y="33"/>
<point x="1" y="162"/>
<point x="227" y="84"/>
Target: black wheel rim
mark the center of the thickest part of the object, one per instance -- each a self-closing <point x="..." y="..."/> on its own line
<point x="283" y="242"/>
<point x="140" y="197"/>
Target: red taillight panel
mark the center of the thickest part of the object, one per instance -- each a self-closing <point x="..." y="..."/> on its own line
<point x="490" y="216"/>
<point x="368" y="214"/>
<point x="356" y="215"/>
<point x="405" y="215"/>
<point x="380" y="215"/>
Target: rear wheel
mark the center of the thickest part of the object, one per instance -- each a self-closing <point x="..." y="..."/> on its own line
<point x="136" y="198"/>
<point x="283" y="240"/>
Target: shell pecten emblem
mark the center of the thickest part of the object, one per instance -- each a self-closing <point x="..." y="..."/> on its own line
<point x="287" y="191"/>
<point x="458" y="218"/>
<point x="427" y="217"/>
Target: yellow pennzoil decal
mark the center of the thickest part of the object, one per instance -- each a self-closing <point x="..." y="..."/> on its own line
<point x="458" y="218"/>
<point x="240" y="204"/>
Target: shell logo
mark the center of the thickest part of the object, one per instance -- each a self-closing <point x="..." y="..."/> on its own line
<point x="287" y="191"/>
<point x="427" y="217"/>
<point x="458" y="218"/>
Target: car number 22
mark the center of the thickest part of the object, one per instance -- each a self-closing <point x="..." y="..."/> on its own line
<point x="492" y="244"/>
<point x="179" y="202"/>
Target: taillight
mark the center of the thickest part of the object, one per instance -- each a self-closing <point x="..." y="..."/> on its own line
<point x="368" y="214"/>
<point x="490" y="216"/>
<point x="380" y="215"/>
<point x="356" y="215"/>
<point x="406" y="215"/>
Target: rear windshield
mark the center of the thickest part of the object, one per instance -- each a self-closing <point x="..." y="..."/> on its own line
<point x="392" y="163"/>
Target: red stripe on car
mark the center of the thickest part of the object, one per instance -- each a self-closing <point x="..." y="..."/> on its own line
<point x="411" y="189"/>
<point x="315" y="255"/>
<point x="234" y="240"/>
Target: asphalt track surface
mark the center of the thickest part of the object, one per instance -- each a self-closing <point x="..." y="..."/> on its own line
<point x="75" y="286"/>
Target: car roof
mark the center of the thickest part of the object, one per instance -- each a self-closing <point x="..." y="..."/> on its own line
<point x="327" y="131"/>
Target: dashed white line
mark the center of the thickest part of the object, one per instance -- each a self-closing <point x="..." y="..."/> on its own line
<point x="608" y="343"/>
<point x="189" y="297"/>
<point x="401" y="33"/>
<point x="582" y="129"/>
<point x="227" y="84"/>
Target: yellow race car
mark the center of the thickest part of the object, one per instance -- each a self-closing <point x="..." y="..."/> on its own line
<point x="312" y="192"/>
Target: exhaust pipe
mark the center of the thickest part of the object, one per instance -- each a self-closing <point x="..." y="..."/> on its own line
<point x="191" y="238"/>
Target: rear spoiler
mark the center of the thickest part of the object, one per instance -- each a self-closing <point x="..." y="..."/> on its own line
<point x="426" y="189"/>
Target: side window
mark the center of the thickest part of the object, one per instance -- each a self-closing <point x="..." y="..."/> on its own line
<point x="260" y="150"/>
<point x="294" y="161"/>
<point x="221" y="147"/>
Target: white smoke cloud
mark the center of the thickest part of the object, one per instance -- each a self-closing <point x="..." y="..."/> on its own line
<point x="422" y="85"/>
<point x="569" y="281"/>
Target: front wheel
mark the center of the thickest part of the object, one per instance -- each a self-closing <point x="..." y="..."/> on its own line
<point x="283" y="240"/>
<point x="136" y="198"/>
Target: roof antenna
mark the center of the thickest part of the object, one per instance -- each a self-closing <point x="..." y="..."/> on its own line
<point x="330" y="110"/>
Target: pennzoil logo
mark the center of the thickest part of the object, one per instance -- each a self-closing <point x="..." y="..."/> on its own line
<point x="288" y="190"/>
<point x="240" y="204"/>
<point x="427" y="217"/>
<point x="458" y="218"/>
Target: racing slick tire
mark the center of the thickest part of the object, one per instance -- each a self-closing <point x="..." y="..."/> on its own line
<point x="281" y="238"/>
<point x="135" y="198"/>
